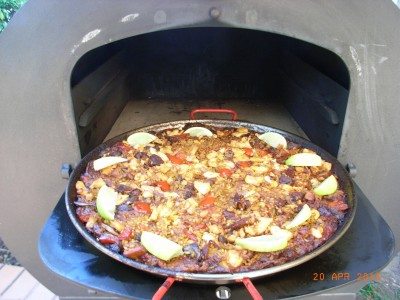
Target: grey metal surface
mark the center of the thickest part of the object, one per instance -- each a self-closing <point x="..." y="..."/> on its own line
<point x="46" y="38"/>
<point x="140" y="113"/>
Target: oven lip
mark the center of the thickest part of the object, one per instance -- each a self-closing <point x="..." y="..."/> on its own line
<point x="219" y="278"/>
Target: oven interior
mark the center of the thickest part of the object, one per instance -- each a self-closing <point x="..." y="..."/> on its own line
<point x="157" y="77"/>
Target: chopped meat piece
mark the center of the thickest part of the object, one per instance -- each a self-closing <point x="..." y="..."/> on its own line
<point x="155" y="160"/>
<point x="240" y="202"/>
<point x="284" y="179"/>
<point x="141" y="155"/>
<point x="135" y="253"/>
<point x="229" y="215"/>
<point x="240" y="223"/>
<point x="229" y="154"/>
<point x="189" y="191"/>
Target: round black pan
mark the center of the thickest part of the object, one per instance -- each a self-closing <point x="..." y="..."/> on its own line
<point x="344" y="181"/>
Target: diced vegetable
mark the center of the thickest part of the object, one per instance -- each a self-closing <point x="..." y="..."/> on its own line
<point x="249" y="151"/>
<point x="262" y="152"/>
<point x="160" y="246"/>
<point x="140" y="139"/>
<point x="175" y="159"/>
<point x="163" y="185"/>
<point x="263" y="224"/>
<point x="225" y="172"/>
<point x="202" y="187"/>
<point x="327" y="187"/>
<point x="244" y="164"/>
<point x="106" y="202"/>
<point x="105" y="162"/>
<point x="316" y="233"/>
<point x="234" y="259"/>
<point x="207" y="201"/>
<point x="142" y="207"/>
<point x="304" y="160"/>
<point x="198" y="132"/>
<point x="273" y="139"/>
<point x="210" y="175"/>
<point x="303" y="215"/>
<point x="253" y="180"/>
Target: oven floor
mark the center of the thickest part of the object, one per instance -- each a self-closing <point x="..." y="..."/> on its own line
<point x="140" y="113"/>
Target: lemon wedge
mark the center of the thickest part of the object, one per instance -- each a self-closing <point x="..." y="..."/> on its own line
<point x="327" y="187"/>
<point x="198" y="132"/>
<point x="304" y="160"/>
<point x="105" y="162"/>
<point x="160" y="246"/>
<point x="263" y="243"/>
<point x="106" y="202"/>
<point x="303" y="215"/>
<point x="273" y="139"/>
<point x="140" y="138"/>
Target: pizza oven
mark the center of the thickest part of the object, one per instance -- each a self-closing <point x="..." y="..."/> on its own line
<point x="78" y="73"/>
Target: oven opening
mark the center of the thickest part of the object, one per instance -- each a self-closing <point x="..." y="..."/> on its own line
<point x="157" y="77"/>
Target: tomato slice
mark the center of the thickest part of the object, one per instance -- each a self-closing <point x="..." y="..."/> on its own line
<point x="125" y="234"/>
<point x="225" y="172"/>
<point x="175" y="159"/>
<point x="142" y="207"/>
<point x="244" y="164"/>
<point x="163" y="185"/>
<point x="248" y="151"/>
<point x="207" y="201"/>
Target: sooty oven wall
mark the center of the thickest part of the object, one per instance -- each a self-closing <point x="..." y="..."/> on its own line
<point x="212" y="63"/>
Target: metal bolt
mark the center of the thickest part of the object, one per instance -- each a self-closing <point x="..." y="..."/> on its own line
<point x="215" y="13"/>
<point x="66" y="170"/>
<point x="92" y="292"/>
<point x="352" y="169"/>
<point x="223" y="292"/>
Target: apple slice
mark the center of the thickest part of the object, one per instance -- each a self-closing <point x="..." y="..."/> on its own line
<point x="106" y="202"/>
<point x="304" y="160"/>
<point x="140" y="138"/>
<point x="160" y="246"/>
<point x="303" y="215"/>
<point x="105" y="162"/>
<point x="273" y="139"/>
<point x="263" y="243"/>
<point x="327" y="187"/>
<point x="198" y="132"/>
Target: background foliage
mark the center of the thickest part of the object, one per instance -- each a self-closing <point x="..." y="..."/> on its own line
<point x="7" y="10"/>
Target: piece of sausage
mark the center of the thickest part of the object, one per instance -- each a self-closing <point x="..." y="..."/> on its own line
<point x="155" y="160"/>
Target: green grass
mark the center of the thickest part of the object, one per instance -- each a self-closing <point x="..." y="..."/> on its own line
<point x="7" y="10"/>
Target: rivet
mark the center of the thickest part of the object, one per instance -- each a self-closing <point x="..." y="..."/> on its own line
<point x="215" y="13"/>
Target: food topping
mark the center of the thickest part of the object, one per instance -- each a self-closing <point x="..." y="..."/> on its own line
<point x="210" y="199"/>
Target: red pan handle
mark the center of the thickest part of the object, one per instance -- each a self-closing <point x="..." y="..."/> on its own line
<point x="213" y="110"/>
<point x="163" y="288"/>
<point x="251" y="289"/>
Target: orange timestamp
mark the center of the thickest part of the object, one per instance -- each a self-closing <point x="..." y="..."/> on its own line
<point x="346" y="276"/>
